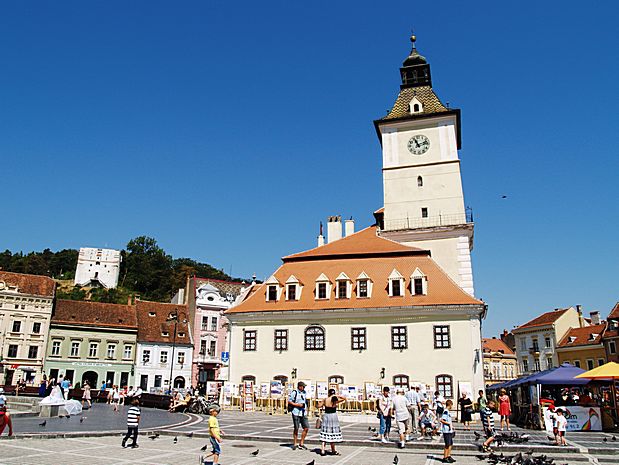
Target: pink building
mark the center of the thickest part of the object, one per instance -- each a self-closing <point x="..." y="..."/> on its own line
<point x="208" y="299"/>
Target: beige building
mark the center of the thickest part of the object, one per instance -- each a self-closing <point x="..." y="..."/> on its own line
<point x="584" y="347"/>
<point x="92" y="341"/>
<point x="499" y="361"/>
<point x="537" y="340"/>
<point x="611" y="335"/>
<point x="25" y="311"/>
<point x="359" y="309"/>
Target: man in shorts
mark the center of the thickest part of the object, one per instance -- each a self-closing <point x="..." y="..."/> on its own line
<point x="297" y="405"/>
<point x="488" y="426"/>
<point x="402" y="417"/>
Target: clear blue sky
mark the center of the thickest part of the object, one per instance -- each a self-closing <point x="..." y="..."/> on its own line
<point x="228" y="130"/>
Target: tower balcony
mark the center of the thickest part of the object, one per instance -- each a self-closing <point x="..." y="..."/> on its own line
<point x="429" y="222"/>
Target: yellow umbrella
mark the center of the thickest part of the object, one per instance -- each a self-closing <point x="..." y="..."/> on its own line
<point x="607" y="371"/>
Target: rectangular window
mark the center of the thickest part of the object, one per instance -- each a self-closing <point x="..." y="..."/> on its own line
<point x="56" y="348"/>
<point x="363" y="288"/>
<point x="272" y="293"/>
<point x="547" y="343"/>
<point x="442" y="339"/>
<point x="203" y="343"/>
<point x="36" y="328"/>
<point x="395" y="288"/>
<point x="358" y="339"/>
<point x="590" y="364"/>
<point x="17" y="326"/>
<point x="163" y="356"/>
<point x="549" y="362"/>
<point x="418" y="286"/>
<point x="612" y="347"/>
<point x="577" y="363"/>
<point x="205" y="323"/>
<point x="537" y="365"/>
<point x="181" y="358"/>
<point x="322" y="290"/>
<point x="444" y="385"/>
<point x="523" y="343"/>
<point x="398" y="337"/>
<point x="145" y="357"/>
<point x="601" y="362"/>
<point x="292" y="292"/>
<point x="214" y="323"/>
<point x="111" y="351"/>
<point x="249" y="340"/>
<point x="424" y="212"/>
<point x="342" y="289"/>
<point x="157" y="381"/>
<point x="93" y="349"/>
<point x="12" y="351"/>
<point x="525" y="365"/>
<point x="75" y="348"/>
<point x="128" y="353"/>
<point x="535" y="345"/>
<point x="281" y="339"/>
<point x="212" y="351"/>
<point x="33" y="351"/>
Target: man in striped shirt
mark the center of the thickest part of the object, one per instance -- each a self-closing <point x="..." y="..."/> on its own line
<point x="133" y="420"/>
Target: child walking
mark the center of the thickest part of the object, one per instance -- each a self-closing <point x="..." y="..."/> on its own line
<point x="448" y="432"/>
<point x="216" y="434"/>
<point x="133" y="420"/>
<point x="561" y="427"/>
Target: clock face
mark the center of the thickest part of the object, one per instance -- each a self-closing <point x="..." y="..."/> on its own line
<point x="419" y="144"/>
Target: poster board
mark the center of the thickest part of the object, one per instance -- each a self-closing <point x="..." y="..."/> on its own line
<point x="248" y="396"/>
<point x="229" y="390"/>
<point x="465" y="386"/>
<point x="371" y="390"/>
<point x="322" y="389"/>
<point x="578" y="418"/>
<point x="264" y="390"/>
<point x="212" y="389"/>
<point x="276" y="389"/>
<point x="310" y="389"/>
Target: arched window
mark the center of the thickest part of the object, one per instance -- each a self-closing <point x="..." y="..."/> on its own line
<point x="444" y="385"/>
<point x="336" y="379"/>
<point x="314" y="338"/>
<point x="251" y="378"/>
<point x="419" y="181"/>
<point x="400" y="381"/>
<point x="179" y="382"/>
<point x="416" y="108"/>
<point x="282" y="378"/>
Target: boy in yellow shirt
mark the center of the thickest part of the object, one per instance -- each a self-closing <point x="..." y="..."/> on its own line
<point x="216" y="434"/>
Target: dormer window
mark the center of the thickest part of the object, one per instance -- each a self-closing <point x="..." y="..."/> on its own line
<point x="273" y="289"/>
<point x="419" y="283"/>
<point x="592" y="336"/>
<point x="364" y="286"/>
<point x="415" y="106"/>
<point x="152" y="314"/>
<point x="571" y="340"/>
<point x="293" y="288"/>
<point x="272" y="293"/>
<point x="323" y="287"/>
<point x="343" y="286"/>
<point x="396" y="284"/>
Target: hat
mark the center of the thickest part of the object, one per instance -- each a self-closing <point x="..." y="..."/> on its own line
<point x="301" y="383"/>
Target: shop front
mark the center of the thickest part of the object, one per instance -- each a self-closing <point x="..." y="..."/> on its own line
<point x="96" y="373"/>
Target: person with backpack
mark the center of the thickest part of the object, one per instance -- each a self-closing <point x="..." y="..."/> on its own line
<point x="297" y="406"/>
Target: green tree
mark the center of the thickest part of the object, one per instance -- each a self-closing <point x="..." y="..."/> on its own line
<point x="76" y="293"/>
<point x="149" y="269"/>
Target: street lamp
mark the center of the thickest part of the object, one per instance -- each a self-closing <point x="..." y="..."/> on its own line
<point x="174" y="316"/>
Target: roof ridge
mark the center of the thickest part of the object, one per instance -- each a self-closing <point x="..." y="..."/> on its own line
<point x="28" y="274"/>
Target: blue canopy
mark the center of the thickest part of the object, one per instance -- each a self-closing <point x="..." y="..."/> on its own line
<point x="563" y="375"/>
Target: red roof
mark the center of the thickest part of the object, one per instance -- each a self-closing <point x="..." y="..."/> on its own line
<point x="77" y="312"/>
<point x="544" y="319"/>
<point x="614" y="314"/>
<point x="589" y="335"/>
<point x="153" y="323"/>
<point x="29" y="283"/>
<point x="496" y="345"/>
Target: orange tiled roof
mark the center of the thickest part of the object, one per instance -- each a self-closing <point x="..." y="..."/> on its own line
<point x="544" y="319"/>
<point x="152" y="322"/>
<point x="496" y="345"/>
<point x="29" y="283"/>
<point x="614" y="314"/>
<point x="94" y="314"/>
<point x="583" y="336"/>
<point x="363" y="252"/>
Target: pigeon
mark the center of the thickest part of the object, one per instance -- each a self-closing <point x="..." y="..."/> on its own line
<point x="481" y="457"/>
<point x="153" y="437"/>
<point x="256" y="452"/>
<point x="175" y="439"/>
<point x="204" y="448"/>
<point x="190" y="435"/>
<point x="43" y="424"/>
<point x="82" y="419"/>
<point x="311" y="463"/>
<point x="605" y="439"/>
<point x="614" y="438"/>
<point x="396" y="459"/>
<point x="373" y="430"/>
<point x="477" y="435"/>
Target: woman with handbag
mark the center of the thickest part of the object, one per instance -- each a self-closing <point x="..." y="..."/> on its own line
<point x="466" y="411"/>
<point x="330" y="431"/>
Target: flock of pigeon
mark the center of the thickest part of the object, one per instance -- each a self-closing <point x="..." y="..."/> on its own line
<point x="61" y="416"/>
<point x="519" y="459"/>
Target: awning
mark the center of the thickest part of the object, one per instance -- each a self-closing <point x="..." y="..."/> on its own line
<point x="563" y="375"/>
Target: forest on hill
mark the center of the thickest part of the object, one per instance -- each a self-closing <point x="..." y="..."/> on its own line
<point x="146" y="269"/>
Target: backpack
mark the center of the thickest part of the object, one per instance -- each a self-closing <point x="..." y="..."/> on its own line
<point x="290" y="407"/>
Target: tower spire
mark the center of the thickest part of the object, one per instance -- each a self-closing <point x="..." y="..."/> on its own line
<point x="415" y="70"/>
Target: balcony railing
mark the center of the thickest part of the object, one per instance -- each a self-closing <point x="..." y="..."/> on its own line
<point x="430" y="221"/>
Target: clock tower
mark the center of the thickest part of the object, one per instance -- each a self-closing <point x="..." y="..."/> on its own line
<point x="423" y="199"/>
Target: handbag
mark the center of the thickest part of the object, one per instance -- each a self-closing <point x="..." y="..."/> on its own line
<point x="319" y="422"/>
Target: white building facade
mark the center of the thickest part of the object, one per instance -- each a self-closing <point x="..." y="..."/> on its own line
<point x="26" y="303"/>
<point x="98" y="267"/>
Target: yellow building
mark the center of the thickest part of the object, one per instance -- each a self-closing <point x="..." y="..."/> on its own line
<point x="500" y="362"/>
<point x="583" y="347"/>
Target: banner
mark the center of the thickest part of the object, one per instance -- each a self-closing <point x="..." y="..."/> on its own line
<point x="276" y="389"/>
<point x="322" y="389"/>
<point x="578" y="418"/>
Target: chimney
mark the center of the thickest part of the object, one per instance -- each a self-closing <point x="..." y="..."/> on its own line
<point x="349" y="227"/>
<point x="321" y="238"/>
<point x="334" y="228"/>
<point x="581" y="320"/>
<point x="595" y="318"/>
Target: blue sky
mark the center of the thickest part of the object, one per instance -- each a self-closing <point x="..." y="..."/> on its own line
<point x="229" y="130"/>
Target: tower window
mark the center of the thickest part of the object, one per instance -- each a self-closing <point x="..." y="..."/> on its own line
<point x="416" y="108"/>
<point x="424" y="212"/>
<point x="419" y="181"/>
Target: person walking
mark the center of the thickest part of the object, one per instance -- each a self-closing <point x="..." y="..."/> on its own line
<point x="5" y="419"/>
<point x="133" y="421"/>
<point x="482" y="402"/>
<point x="489" y="431"/>
<point x="297" y="405"/>
<point x="402" y="417"/>
<point x="413" y="410"/>
<point x="330" y="431"/>
<point x="505" y="409"/>
<point x="115" y="395"/>
<point x="384" y="405"/>
<point x="86" y="394"/>
<point x="466" y="411"/>
<point x="561" y="427"/>
<point x="448" y="432"/>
